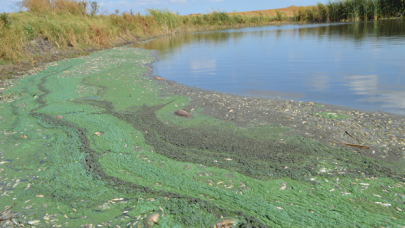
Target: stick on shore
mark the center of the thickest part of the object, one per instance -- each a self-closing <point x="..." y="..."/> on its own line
<point x="122" y="72"/>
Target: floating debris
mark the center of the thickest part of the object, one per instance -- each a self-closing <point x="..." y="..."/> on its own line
<point x="384" y="204"/>
<point x="9" y="218"/>
<point x="104" y="206"/>
<point x="351" y="136"/>
<point x="159" y="78"/>
<point x="33" y="222"/>
<point x="354" y="145"/>
<point x="226" y="223"/>
<point x="7" y="215"/>
<point x="151" y="220"/>
<point x="99" y="133"/>
<point x="182" y="112"/>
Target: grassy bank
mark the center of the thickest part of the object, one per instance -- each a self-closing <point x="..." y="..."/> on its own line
<point x="74" y="25"/>
<point x="70" y="23"/>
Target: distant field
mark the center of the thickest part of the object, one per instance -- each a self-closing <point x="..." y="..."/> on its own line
<point x="289" y="11"/>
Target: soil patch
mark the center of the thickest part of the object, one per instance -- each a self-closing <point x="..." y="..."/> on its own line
<point x="382" y="132"/>
<point x="288" y="11"/>
<point x="42" y="51"/>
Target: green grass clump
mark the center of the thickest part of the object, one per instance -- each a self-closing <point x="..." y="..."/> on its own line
<point x="331" y="115"/>
<point x="5" y="19"/>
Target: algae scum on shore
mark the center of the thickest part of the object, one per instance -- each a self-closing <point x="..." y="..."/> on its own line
<point x="81" y="149"/>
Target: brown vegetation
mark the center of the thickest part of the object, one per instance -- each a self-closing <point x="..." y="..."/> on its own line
<point x="73" y="23"/>
<point x="69" y="25"/>
<point x="288" y="11"/>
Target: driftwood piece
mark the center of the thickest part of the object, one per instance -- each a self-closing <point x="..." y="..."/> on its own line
<point x="351" y="136"/>
<point x="182" y="112"/>
<point x="349" y="144"/>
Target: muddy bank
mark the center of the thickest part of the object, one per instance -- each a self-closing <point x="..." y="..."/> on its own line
<point x="42" y="51"/>
<point x="383" y="133"/>
<point x="95" y="140"/>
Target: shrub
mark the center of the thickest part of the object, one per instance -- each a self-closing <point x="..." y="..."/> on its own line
<point x="6" y="20"/>
<point x="30" y="30"/>
<point x="95" y="8"/>
<point x="73" y="7"/>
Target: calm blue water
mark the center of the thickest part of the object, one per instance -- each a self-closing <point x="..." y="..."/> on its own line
<point x="360" y="65"/>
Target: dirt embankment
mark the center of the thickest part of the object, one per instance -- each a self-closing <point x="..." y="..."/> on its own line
<point x="288" y="11"/>
<point x="43" y="51"/>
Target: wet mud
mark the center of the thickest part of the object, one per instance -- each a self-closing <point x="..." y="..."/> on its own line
<point x="296" y="157"/>
<point x="266" y="140"/>
<point x="94" y="168"/>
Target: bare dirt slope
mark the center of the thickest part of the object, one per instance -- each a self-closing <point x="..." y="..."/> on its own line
<point x="289" y="11"/>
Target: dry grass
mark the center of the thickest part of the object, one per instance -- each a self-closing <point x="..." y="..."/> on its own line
<point x="73" y="7"/>
<point x="69" y="23"/>
<point x="288" y="11"/>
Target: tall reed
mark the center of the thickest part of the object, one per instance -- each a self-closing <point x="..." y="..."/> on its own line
<point x="352" y="10"/>
<point x="167" y="20"/>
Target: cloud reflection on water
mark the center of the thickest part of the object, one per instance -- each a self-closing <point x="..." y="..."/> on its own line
<point x="320" y="82"/>
<point x="295" y="61"/>
<point x="390" y="96"/>
<point x="202" y="65"/>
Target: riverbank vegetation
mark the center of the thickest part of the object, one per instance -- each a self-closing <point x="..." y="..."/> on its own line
<point x="74" y="24"/>
<point x="351" y="10"/>
<point x="61" y="25"/>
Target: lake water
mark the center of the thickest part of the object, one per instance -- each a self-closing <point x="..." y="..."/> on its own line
<point x="360" y="65"/>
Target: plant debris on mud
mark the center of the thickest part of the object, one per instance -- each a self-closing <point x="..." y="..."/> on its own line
<point x="77" y="149"/>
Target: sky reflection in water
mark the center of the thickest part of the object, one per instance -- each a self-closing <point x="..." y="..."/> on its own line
<point x="361" y="65"/>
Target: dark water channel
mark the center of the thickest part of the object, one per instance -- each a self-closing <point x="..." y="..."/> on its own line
<point x="360" y="65"/>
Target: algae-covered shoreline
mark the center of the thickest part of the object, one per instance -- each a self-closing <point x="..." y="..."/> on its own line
<point x="77" y="147"/>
